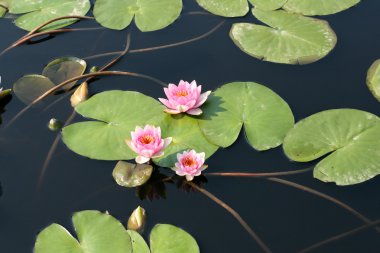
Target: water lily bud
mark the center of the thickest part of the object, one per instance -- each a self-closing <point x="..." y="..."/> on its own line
<point x="4" y="93"/>
<point x="55" y="125"/>
<point x="94" y="69"/>
<point x="80" y="95"/>
<point x="137" y="220"/>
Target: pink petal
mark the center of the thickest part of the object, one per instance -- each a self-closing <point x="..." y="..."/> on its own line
<point x="159" y="154"/>
<point x="141" y="159"/>
<point x="182" y="108"/>
<point x="195" y="111"/>
<point x="131" y="145"/>
<point x="167" y="141"/>
<point x="166" y="102"/>
<point x="203" y="167"/>
<point x="189" y="177"/>
<point x="202" y="98"/>
<point x="170" y="111"/>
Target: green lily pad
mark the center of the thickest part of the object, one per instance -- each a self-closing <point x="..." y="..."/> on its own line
<point x="186" y="135"/>
<point x="40" y="11"/>
<point x="318" y="7"/>
<point x="352" y="135"/>
<point x="118" y="113"/>
<point x="131" y="175"/>
<point x="97" y="233"/>
<point x="170" y="239"/>
<point x="225" y="8"/>
<point x="265" y="115"/>
<point x="373" y="79"/>
<point x="150" y="15"/>
<point x="138" y="243"/>
<point x="30" y="87"/>
<point x="63" y="69"/>
<point x="268" y="5"/>
<point x="288" y="38"/>
<point x="3" y="11"/>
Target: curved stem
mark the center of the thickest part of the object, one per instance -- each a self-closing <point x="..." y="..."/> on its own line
<point x="4" y="7"/>
<point x="104" y="73"/>
<point x="235" y="214"/>
<point x="51" y="151"/>
<point x="264" y="174"/>
<point x="340" y="236"/>
<point x="101" y="55"/>
<point x="325" y="196"/>
<point x="141" y="50"/>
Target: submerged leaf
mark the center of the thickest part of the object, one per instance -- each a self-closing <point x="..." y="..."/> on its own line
<point x="40" y="11"/>
<point x="166" y="238"/>
<point x="225" y="8"/>
<point x="373" y="79"/>
<point x="265" y="115"/>
<point x="150" y="15"/>
<point x="97" y="233"/>
<point x="352" y="135"/>
<point x="30" y="87"/>
<point x="131" y="175"/>
<point x="318" y="7"/>
<point x="63" y="69"/>
<point x="288" y="38"/>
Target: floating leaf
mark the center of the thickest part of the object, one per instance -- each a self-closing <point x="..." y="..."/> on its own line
<point x="118" y="112"/>
<point x="63" y="69"/>
<point x="354" y="136"/>
<point x="131" y="175"/>
<point x="97" y="233"/>
<point x="150" y="15"/>
<point x="225" y="8"/>
<point x="268" y="5"/>
<point x="186" y="135"/>
<point x="138" y="243"/>
<point x="290" y="38"/>
<point x="40" y="11"/>
<point x="2" y="11"/>
<point x="318" y="7"/>
<point x="170" y="239"/>
<point x="373" y="79"/>
<point x="265" y="115"/>
<point x="30" y="87"/>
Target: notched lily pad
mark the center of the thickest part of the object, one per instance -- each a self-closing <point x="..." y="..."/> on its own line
<point x="138" y="243"/>
<point x="97" y="233"/>
<point x="225" y="8"/>
<point x="352" y="136"/>
<point x="131" y="175"/>
<point x="288" y="38"/>
<point x="268" y="5"/>
<point x="150" y="15"/>
<point x="373" y="79"/>
<point x="265" y="115"/>
<point x="166" y="238"/>
<point x="40" y="11"/>
<point x="318" y="7"/>
<point x="62" y="69"/>
<point x="30" y="87"/>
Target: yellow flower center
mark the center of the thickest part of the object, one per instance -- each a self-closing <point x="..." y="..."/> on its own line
<point x="182" y="93"/>
<point x="146" y="139"/>
<point x="188" y="161"/>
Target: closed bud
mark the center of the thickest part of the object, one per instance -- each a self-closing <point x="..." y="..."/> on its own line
<point x="55" y="125"/>
<point x="80" y="95"/>
<point x="94" y="69"/>
<point x="137" y="220"/>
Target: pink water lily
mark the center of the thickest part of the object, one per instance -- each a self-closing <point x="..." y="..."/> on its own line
<point x="190" y="164"/>
<point x="147" y="143"/>
<point x="186" y="97"/>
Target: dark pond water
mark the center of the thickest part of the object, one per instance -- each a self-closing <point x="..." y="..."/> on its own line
<point x="287" y="219"/>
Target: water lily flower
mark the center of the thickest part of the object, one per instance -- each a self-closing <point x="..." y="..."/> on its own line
<point x="190" y="164"/>
<point x="147" y="143"/>
<point x="186" y="97"/>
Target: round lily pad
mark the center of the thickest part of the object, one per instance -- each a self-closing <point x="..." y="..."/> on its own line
<point x="138" y="243"/>
<point x="2" y="12"/>
<point x="288" y="38"/>
<point x="268" y="5"/>
<point x="373" y="79"/>
<point x="318" y="7"/>
<point x="150" y="15"/>
<point x="266" y="117"/>
<point x="30" y="87"/>
<point x="97" y="233"/>
<point x="225" y="8"/>
<point x="352" y="135"/>
<point x="63" y="69"/>
<point x="40" y="11"/>
<point x="131" y="175"/>
<point x="186" y="134"/>
<point x="166" y="238"/>
<point x="117" y="114"/>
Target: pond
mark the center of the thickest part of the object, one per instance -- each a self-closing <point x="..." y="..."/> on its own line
<point x="287" y="217"/>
